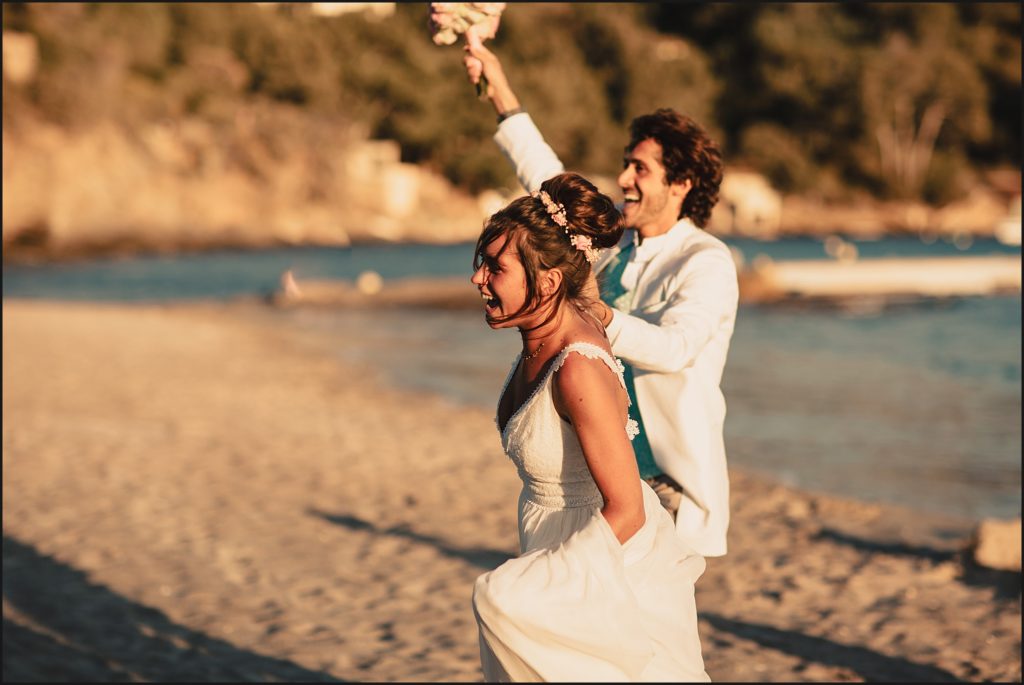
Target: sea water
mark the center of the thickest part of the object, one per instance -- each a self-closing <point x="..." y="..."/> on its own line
<point x="918" y="405"/>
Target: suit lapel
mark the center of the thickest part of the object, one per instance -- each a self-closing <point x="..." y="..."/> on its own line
<point x="648" y="286"/>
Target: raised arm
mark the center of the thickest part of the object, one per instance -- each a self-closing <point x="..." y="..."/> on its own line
<point x="532" y="158"/>
<point x="590" y="396"/>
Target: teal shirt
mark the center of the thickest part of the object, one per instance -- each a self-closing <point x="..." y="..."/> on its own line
<point x="617" y="297"/>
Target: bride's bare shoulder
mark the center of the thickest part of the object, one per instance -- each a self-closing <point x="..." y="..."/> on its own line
<point x="593" y="338"/>
<point x="582" y="358"/>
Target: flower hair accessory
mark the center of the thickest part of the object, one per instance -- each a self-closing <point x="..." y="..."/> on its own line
<point x="583" y="243"/>
<point x="557" y="212"/>
<point x="555" y="209"/>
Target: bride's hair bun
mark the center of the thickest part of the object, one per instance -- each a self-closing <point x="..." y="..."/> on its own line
<point x="588" y="211"/>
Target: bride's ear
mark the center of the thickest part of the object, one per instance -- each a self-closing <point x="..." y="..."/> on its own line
<point x="550" y="282"/>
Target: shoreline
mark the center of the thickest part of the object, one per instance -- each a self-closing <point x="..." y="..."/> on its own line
<point x="421" y="299"/>
<point x="820" y="284"/>
<point x="242" y="493"/>
<point x="442" y="294"/>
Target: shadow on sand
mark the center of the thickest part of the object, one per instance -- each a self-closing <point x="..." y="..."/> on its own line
<point x="901" y="549"/>
<point x="1006" y="585"/>
<point x="478" y="556"/>
<point x="868" y="664"/>
<point x="58" y="626"/>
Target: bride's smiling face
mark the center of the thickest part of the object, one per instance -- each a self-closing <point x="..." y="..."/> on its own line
<point x="501" y="280"/>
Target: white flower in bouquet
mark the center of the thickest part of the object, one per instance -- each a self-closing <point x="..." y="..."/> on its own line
<point x="477" y="21"/>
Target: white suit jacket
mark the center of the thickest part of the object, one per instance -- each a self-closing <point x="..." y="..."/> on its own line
<point x="676" y="336"/>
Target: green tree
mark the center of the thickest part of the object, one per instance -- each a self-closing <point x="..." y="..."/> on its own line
<point x="901" y="99"/>
<point x="865" y="95"/>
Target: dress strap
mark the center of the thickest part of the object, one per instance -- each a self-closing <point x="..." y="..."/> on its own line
<point x="591" y="351"/>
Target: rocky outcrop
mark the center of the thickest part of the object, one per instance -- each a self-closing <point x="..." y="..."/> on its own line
<point x="264" y="175"/>
<point x="747" y="205"/>
<point x="977" y="214"/>
<point x="263" y="179"/>
<point x="20" y="57"/>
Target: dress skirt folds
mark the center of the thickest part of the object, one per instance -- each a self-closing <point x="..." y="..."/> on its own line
<point x="577" y="605"/>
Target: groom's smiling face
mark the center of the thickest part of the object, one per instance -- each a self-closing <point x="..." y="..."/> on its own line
<point x="650" y="203"/>
<point x="501" y="280"/>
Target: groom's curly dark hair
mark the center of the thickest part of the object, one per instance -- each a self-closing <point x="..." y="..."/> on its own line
<point x="687" y="153"/>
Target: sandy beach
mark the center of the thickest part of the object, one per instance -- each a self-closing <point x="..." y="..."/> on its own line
<point x="192" y="494"/>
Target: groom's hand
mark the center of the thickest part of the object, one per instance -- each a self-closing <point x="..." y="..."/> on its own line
<point x="591" y="296"/>
<point x="479" y="61"/>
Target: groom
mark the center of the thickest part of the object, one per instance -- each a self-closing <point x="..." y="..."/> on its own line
<point x="668" y="298"/>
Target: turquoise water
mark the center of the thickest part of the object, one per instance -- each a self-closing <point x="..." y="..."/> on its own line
<point x="919" y="405"/>
<point x="234" y="273"/>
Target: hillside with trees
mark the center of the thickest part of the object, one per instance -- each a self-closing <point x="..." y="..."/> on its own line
<point x="840" y="102"/>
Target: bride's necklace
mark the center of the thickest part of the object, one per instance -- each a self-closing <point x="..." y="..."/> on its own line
<point x="533" y="354"/>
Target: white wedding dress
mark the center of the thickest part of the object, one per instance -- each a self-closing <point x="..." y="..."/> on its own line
<point x="577" y="605"/>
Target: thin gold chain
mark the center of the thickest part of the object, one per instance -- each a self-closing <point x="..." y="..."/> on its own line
<point x="534" y="353"/>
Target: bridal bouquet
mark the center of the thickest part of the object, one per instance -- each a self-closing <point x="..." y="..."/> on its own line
<point x="478" y="21"/>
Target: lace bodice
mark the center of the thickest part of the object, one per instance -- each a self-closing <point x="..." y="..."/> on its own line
<point x="545" y="448"/>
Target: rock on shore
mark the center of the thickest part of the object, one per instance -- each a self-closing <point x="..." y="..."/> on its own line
<point x="996" y="545"/>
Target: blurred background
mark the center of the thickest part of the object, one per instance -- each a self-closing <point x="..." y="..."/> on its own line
<point x="318" y="156"/>
<point x="231" y="230"/>
<point x="163" y="125"/>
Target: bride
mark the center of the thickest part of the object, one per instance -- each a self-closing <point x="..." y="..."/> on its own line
<point x="603" y="589"/>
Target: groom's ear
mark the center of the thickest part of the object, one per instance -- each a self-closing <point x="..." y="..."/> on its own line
<point x="680" y="189"/>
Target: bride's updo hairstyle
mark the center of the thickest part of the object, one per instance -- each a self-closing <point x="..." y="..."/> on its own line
<point x="533" y="225"/>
